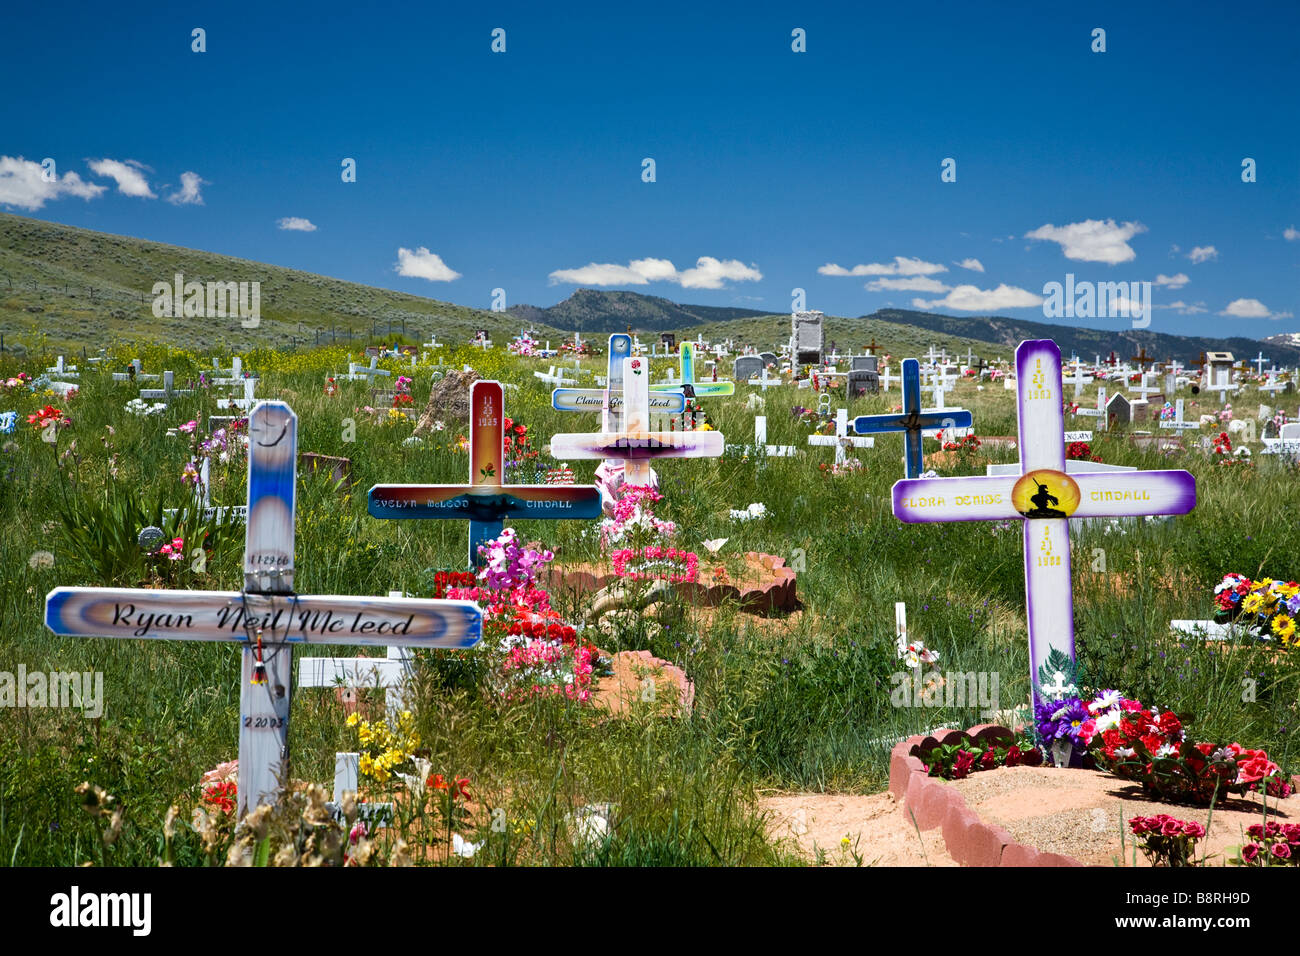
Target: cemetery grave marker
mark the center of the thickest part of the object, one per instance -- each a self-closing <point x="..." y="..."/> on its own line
<point x="914" y="421"/>
<point x="167" y="392"/>
<point x="267" y="617"/>
<point x="485" y="502"/>
<point x="842" y="440"/>
<point x="610" y="399"/>
<point x="1177" y="424"/>
<point x="635" y="444"/>
<point x="1044" y="496"/>
<point x="686" y="382"/>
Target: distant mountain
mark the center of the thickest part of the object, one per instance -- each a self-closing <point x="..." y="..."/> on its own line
<point x="595" y="311"/>
<point x="599" y="311"/>
<point x="1285" y="339"/>
<point x="1125" y="343"/>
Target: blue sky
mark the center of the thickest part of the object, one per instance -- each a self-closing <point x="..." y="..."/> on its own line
<point x="774" y="170"/>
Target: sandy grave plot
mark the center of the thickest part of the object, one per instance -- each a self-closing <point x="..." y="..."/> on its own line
<point x="879" y="829"/>
<point x="1078" y="813"/>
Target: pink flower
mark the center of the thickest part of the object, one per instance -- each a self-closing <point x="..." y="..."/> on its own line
<point x="1250" y="851"/>
<point x="188" y="426"/>
<point x="1280" y="850"/>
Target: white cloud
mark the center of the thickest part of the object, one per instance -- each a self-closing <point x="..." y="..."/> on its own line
<point x="128" y="175"/>
<point x="974" y="265"/>
<point x="423" y="264"/>
<point x="1251" y="309"/>
<point x="711" y="273"/>
<point x="969" y="298"/>
<point x="1174" y="281"/>
<point x="297" y="224"/>
<point x="901" y="266"/>
<point x="1092" y="240"/>
<point x="23" y="185"/>
<point x="707" y="273"/>
<point x="913" y="284"/>
<point x="188" y="194"/>
<point x="1291" y="234"/>
<point x="1184" y="308"/>
<point x="1203" y="254"/>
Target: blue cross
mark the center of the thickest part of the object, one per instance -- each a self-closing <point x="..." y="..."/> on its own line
<point x="912" y="420"/>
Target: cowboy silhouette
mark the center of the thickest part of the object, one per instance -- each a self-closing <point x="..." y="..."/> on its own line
<point x="1040" y="500"/>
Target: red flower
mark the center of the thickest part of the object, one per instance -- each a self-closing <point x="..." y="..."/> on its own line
<point x="1280" y="850"/>
<point x="1170" y="724"/>
<point x="962" y="766"/>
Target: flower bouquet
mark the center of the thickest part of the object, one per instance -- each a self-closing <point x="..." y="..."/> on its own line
<point x="1267" y="606"/>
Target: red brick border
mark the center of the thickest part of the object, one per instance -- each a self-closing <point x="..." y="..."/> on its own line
<point x="970" y="841"/>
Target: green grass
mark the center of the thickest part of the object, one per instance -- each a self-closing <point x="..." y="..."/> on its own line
<point x="800" y="708"/>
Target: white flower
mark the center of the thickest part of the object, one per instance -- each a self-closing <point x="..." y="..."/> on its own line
<point x="1124" y="751"/>
<point x="1108" y="721"/>
<point x="1167" y="750"/>
<point x="40" y="559"/>
<point x="462" y="847"/>
<point x="439" y="426"/>
<point x="1105" y="701"/>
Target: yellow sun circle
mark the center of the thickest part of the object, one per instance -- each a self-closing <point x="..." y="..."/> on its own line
<point x="1045" y="493"/>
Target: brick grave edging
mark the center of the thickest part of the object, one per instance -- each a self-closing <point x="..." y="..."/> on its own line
<point x="970" y="841"/>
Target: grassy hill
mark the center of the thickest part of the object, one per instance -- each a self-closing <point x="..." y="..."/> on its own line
<point x="62" y="286"/>
<point x="596" y="310"/>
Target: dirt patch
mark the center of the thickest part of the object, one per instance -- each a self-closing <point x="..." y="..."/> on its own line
<point x="878" y="828"/>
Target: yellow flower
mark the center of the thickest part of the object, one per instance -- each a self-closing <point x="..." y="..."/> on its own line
<point x="353" y="718"/>
<point x="1284" y="627"/>
<point x="1252" y="603"/>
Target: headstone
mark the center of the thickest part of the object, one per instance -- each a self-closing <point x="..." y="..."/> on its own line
<point x="746" y="367"/>
<point x="1119" y="409"/>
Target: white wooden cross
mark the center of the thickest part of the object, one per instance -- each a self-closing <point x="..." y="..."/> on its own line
<point x="231" y="376"/>
<point x="1078" y="380"/>
<point x="64" y="371"/>
<point x="1177" y="424"/>
<point x="391" y="672"/>
<point x="167" y="392"/>
<point x="267" y="617"/>
<point x="556" y="377"/>
<point x="1044" y="496"/>
<point x="886" y="377"/>
<point x="1099" y="412"/>
<point x="1258" y="362"/>
<point x="842" y="439"/>
<point x="357" y="372"/>
<point x="761" y="445"/>
<point x="1142" y="389"/>
<point x="1272" y="385"/>
<point x="765" y="380"/>
<point x="136" y="375"/>
<point x="245" y="403"/>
